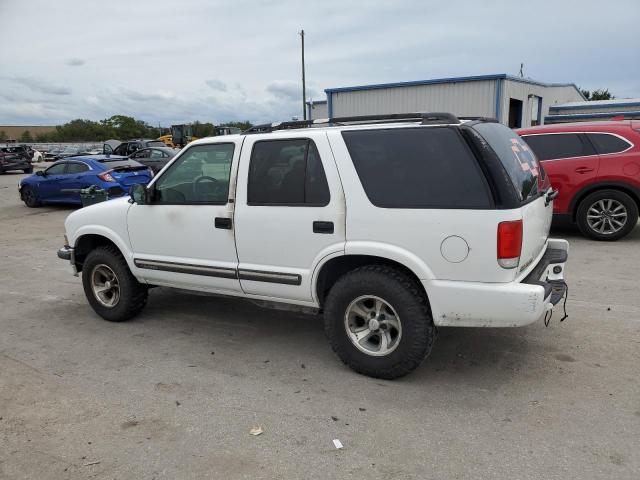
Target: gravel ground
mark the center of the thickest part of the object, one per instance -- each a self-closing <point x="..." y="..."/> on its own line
<point x="173" y="393"/>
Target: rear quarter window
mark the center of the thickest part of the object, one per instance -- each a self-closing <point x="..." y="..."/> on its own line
<point x="606" y="143"/>
<point x="423" y="167"/>
<point x="517" y="158"/>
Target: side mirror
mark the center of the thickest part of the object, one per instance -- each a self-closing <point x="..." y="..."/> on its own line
<point x="138" y="194"/>
<point x="40" y="173"/>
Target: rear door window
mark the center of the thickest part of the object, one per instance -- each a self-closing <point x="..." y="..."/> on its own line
<point x="287" y="172"/>
<point x="423" y="167"/>
<point x="606" y="143"/>
<point x="554" y="146"/>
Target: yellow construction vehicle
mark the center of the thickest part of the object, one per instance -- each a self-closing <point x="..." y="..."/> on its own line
<point x="183" y="134"/>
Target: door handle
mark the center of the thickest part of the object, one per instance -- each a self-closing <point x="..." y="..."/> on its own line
<point x="584" y="170"/>
<point x="322" y="227"/>
<point x="223" y="222"/>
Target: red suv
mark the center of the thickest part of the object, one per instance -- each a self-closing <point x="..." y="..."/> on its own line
<point x="596" y="168"/>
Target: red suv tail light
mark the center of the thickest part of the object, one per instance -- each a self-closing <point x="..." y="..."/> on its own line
<point x="509" y="243"/>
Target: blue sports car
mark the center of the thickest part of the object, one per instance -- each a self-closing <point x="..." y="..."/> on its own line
<point x="61" y="182"/>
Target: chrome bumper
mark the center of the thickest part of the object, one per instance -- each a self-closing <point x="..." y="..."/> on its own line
<point x="67" y="253"/>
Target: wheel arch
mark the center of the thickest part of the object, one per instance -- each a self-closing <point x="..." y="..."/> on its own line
<point x="86" y="242"/>
<point x="336" y="266"/>
<point x="630" y="190"/>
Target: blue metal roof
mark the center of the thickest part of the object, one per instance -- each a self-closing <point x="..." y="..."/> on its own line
<point x="595" y="116"/>
<point x="590" y="105"/>
<point x="435" y="81"/>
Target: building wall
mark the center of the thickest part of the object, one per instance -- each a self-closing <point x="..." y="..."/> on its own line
<point x="317" y="110"/>
<point x="14" y="132"/>
<point x="471" y="98"/>
<point x="550" y="95"/>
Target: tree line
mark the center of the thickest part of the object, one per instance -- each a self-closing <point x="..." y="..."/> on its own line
<point x="120" y="127"/>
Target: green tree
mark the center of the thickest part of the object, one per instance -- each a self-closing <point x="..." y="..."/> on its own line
<point x="3" y="136"/>
<point x="599" y="94"/>
<point x="26" y="137"/>
<point x="202" y="130"/>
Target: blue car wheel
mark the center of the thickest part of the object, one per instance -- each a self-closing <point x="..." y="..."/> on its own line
<point x="29" y="197"/>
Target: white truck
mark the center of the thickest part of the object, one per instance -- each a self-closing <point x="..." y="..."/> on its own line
<point x="390" y="225"/>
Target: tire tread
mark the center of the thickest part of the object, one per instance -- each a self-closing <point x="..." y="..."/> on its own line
<point x="418" y="348"/>
<point x="129" y="285"/>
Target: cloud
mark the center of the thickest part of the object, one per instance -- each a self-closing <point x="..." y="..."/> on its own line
<point x="42" y="86"/>
<point x="216" y="84"/>
<point x="209" y="70"/>
<point x="75" y="62"/>
<point x="285" y="90"/>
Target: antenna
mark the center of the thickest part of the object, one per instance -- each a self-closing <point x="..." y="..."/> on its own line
<point x="521" y="72"/>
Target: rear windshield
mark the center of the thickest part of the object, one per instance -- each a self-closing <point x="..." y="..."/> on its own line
<point x="156" y="144"/>
<point x="518" y="159"/>
<point x="424" y="167"/>
<point x="124" y="164"/>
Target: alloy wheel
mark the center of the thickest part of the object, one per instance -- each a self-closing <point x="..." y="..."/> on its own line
<point x="105" y="285"/>
<point x="607" y="216"/>
<point x="373" y="326"/>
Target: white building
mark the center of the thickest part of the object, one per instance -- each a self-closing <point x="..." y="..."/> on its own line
<point x="514" y="101"/>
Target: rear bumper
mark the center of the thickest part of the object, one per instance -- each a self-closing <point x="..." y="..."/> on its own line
<point x="515" y="304"/>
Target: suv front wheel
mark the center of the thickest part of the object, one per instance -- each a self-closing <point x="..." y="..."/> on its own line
<point x="378" y="322"/>
<point x="111" y="289"/>
<point x="607" y="215"/>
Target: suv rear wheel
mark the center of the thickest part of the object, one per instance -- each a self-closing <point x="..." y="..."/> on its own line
<point x="111" y="289"/>
<point x="607" y="215"/>
<point x="378" y="322"/>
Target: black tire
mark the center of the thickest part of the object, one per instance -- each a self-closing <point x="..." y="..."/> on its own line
<point x="616" y="196"/>
<point x="28" y="170"/>
<point x="132" y="295"/>
<point x="29" y="197"/>
<point x="408" y="300"/>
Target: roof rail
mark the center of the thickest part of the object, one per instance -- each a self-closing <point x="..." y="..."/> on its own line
<point x="426" y="118"/>
<point x="480" y="119"/>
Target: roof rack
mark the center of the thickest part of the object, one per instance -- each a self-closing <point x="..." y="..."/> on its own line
<point x="426" y="118"/>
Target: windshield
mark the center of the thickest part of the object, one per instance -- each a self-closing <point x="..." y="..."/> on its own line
<point x="521" y="164"/>
<point x="156" y="144"/>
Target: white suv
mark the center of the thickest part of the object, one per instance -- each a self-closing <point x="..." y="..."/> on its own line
<point x="390" y="225"/>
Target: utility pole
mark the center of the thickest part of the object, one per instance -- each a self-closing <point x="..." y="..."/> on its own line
<point x="304" y="86"/>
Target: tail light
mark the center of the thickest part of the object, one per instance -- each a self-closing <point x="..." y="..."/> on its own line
<point x="106" y="177"/>
<point x="509" y="243"/>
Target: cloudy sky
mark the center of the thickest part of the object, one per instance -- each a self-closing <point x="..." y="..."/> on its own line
<point x="181" y="60"/>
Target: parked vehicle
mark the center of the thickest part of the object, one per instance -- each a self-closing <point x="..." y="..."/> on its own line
<point x="154" y="157"/>
<point x="130" y="146"/>
<point x="36" y="155"/>
<point x="52" y="155"/>
<point x="61" y="182"/>
<point x="14" y="158"/>
<point x="391" y="228"/>
<point x="596" y="168"/>
<point x="21" y="150"/>
<point x="73" y="151"/>
<point x="27" y="152"/>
